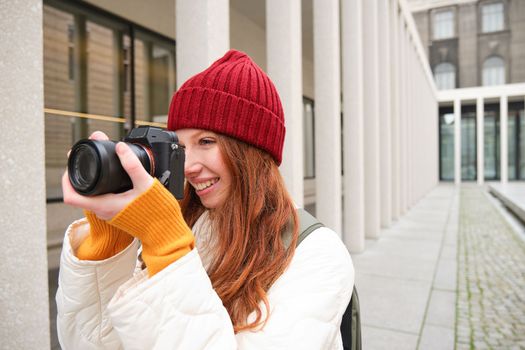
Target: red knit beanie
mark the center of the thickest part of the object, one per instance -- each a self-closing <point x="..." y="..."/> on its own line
<point x="233" y="97"/>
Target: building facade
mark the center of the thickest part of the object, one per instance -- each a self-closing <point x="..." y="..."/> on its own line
<point x="473" y="43"/>
<point x="476" y="50"/>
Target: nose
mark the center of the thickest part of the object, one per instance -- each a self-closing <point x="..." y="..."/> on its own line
<point x="192" y="166"/>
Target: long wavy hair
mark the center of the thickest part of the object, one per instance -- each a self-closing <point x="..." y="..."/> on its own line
<point x="250" y="253"/>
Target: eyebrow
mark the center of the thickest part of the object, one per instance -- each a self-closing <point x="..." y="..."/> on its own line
<point x="200" y="133"/>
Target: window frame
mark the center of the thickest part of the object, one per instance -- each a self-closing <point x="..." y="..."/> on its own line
<point x="481" y="5"/>
<point x="133" y="30"/>
<point x="483" y="70"/>
<point x="119" y="26"/>
<point x="432" y="21"/>
<point x="454" y="71"/>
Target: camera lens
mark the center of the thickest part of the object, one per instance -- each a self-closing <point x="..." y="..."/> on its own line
<point x="94" y="167"/>
<point x="86" y="167"/>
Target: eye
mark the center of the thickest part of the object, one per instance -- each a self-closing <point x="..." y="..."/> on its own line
<point x="206" y="141"/>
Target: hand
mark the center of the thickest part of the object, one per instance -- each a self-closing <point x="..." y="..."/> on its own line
<point x="106" y="206"/>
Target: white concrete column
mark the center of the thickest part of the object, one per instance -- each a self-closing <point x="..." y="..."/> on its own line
<point x="353" y="124"/>
<point x="371" y="110"/>
<point x="24" y="302"/>
<point x="328" y="110"/>
<point x="410" y="115"/>
<point x="504" y="140"/>
<point x="394" y="73"/>
<point x="457" y="141"/>
<point x="404" y="120"/>
<point x="284" y="64"/>
<point x="480" y="122"/>
<point x="203" y="35"/>
<point x="402" y="114"/>
<point x="385" y="114"/>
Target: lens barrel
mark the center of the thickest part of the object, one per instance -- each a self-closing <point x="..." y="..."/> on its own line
<point x="94" y="167"/>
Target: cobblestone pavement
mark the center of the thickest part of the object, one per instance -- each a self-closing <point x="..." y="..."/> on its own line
<point x="491" y="277"/>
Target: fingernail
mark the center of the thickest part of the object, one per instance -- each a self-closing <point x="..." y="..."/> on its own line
<point x="119" y="148"/>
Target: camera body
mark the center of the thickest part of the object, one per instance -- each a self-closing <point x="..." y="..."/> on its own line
<point x="94" y="167"/>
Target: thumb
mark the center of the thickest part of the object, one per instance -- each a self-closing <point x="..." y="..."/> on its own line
<point x="130" y="162"/>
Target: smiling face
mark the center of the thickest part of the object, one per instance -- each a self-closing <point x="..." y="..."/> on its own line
<point x="204" y="168"/>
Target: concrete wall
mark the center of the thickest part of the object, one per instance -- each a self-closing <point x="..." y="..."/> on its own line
<point x="246" y="35"/>
<point x="158" y="15"/>
<point x="468" y="53"/>
<point x="517" y="40"/>
<point x="23" y="282"/>
<point x="423" y="27"/>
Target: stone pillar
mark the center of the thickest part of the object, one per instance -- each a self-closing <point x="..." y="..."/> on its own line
<point x="403" y="117"/>
<point x="411" y="100"/>
<point x="504" y="140"/>
<point x="203" y="35"/>
<point x="24" y="302"/>
<point x="353" y="124"/>
<point x="401" y="109"/>
<point x="480" y="122"/>
<point x="284" y="53"/>
<point x="457" y="141"/>
<point x="395" y="96"/>
<point x="371" y="112"/>
<point x="385" y="114"/>
<point x="328" y="112"/>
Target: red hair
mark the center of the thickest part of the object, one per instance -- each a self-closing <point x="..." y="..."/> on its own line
<point x="250" y="253"/>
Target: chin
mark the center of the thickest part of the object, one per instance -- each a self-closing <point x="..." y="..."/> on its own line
<point x="211" y="204"/>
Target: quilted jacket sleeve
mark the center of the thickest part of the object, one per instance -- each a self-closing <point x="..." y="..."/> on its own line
<point x="84" y="291"/>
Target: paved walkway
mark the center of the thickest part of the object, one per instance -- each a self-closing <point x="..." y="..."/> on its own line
<point x="491" y="277"/>
<point x="407" y="278"/>
<point x="450" y="274"/>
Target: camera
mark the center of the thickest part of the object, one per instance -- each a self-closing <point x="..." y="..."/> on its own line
<point x="94" y="167"/>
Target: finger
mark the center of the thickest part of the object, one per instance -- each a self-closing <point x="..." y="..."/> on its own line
<point x="132" y="165"/>
<point x="71" y="197"/>
<point x="99" y="136"/>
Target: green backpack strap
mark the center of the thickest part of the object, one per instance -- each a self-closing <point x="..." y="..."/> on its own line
<point x="307" y="225"/>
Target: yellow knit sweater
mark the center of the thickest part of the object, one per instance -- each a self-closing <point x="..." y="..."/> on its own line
<point x="154" y="217"/>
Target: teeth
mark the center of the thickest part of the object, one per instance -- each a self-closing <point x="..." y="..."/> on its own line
<point x="204" y="185"/>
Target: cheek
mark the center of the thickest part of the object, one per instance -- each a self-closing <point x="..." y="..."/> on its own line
<point x="223" y="171"/>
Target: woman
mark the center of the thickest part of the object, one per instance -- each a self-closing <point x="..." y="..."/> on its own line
<point x="232" y="280"/>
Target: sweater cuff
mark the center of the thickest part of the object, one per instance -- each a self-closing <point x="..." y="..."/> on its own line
<point x="156" y="219"/>
<point x="103" y="241"/>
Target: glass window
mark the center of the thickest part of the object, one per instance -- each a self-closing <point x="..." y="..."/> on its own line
<point x="154" y="79"/>
<point x="521" y="148"/>
<point x="445" y="76"/>
<point x="492" y="17"/>
<point x="59" y="92"/>
<point x="493" y="71"/>
<point x="444" y="24"/>
<point x="88" y="62"/>
<point x="309" y="138"/>
<point x="516" y="139"/>
<point x="468" y="145"/>
<point x="446" y="144"/>
<point x="512" y="151"/>
<point x="102" y="73"/>
<point x="491" y="142"/>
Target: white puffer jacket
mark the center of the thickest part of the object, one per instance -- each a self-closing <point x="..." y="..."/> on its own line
<point x="110" y="304"/>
